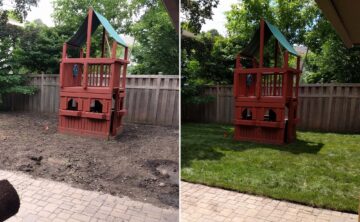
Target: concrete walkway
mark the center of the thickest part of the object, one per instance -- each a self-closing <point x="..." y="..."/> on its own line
<point x="43" y="200"/>
<point x="203" y="203"/>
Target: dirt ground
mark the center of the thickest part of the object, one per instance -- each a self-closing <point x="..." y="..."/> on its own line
<point x="141" y="163"/>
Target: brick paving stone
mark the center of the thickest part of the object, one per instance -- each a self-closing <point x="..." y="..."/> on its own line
<point x="203" y="203"/>
<point x="48" y="201"/>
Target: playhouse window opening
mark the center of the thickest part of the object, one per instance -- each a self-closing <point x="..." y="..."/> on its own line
<point x="96" y="106"/>
<point x="246" y="114"/>
<point x="270" y="115"/>
<point x="72" y="105"/>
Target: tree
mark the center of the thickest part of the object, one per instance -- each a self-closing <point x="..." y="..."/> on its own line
<point x="69" y="14"/>
<point x="329" y="60"/>
<point x="196" y="13"/>
<point x="205" y="61"/>
<point x="11" y="82"/>
<point x="38" y="50"/>
<point x="293" y="18"/>
<point x="157" y="48"/>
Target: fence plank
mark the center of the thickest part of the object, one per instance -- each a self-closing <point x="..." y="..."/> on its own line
<point x="322" y="107"/>
<point x="143" y="99"/>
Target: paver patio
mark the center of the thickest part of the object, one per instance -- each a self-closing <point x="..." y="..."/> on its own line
<point x="45" y="200"/>
<point x="203" y="203"/>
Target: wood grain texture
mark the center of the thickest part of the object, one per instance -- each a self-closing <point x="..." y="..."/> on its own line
<point x="150" y="99"/>
<point x="322" y="107"/>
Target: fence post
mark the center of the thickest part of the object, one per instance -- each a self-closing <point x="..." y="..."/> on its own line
<point x="42" y="93"/>
<point x="157" y="95"/>
<point x="217" y="103"/>
<point x="331" y="95"/>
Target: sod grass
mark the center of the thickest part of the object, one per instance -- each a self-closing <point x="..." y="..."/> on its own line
<point x="319" y="169"/>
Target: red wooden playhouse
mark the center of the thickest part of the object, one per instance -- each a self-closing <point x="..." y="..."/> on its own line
<point x="92" y="90"/>
<point x="266" y="98"/>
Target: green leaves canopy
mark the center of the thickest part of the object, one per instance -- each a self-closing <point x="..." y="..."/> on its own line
<point x="157" y="48"/>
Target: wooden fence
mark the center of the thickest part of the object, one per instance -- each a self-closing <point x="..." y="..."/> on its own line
<point x="322" y="107"/>
<point x="150" y="99"/>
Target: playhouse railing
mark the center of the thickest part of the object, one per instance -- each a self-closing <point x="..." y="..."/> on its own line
<point x="94" y="72"/>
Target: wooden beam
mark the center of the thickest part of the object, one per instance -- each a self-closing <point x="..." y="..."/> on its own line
<point x="261" y="53"/>
<point x="64" y="55"/>
<point x="88" y="36"/>
<point x="113" y="51"/>
<point x="103" y="43"/>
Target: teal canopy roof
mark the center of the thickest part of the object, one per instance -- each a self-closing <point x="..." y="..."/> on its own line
<point x="270" y="30"/>
<point x="80" y="36"/>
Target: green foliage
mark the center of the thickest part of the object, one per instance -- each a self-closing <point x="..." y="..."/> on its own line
<point x="69" y="14"/>
<point x="330" y="60"/>
<point x="196" y="12"/>
<point x="293" y="18"/>
<point x="19" y="12"/>
<point x="319" y="169"/>
<point x="11" y="82"/>
<point x="38" y="50"/>
<point x="210" y="52"/>
<point x="157" y="48"/>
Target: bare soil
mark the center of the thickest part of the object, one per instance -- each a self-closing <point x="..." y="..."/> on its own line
<point x="141" y="163"/>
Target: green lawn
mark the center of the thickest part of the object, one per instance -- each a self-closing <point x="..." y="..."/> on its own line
<point x="319" y="169"/>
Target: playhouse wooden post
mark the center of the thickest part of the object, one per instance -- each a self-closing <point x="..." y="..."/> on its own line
<point x="102" y="56"/>
<point x="126" y="54"/>
<point x="285" y="75"/>
<point x="276" y="53"/>
<point x="88" y="34"/>
<point x="261" y="59"/>
<point x="112" y="66"/>
<point x="88" y="48"/>
<point x="275" y="65"/>
<point x="64" y="50"/>
<point x="236" y="76"/>
<point x="297" y="77"/>
<point x="113" y="51"/>
<point x="261" y="53"/>
<point x="103" y="43"/>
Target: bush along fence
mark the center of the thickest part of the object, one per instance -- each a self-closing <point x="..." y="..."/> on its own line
<point x="322" y="107"/>
<point x="150" y="99"/>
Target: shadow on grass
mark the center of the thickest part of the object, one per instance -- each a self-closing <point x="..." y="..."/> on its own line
<point x="297" y="147"/>
<point x="212" y="149"/>
<point x="199" y="153"/>
<point x="302" y="146"/>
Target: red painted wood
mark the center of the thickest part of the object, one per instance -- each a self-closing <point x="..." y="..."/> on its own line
<point x="261" y="55"/>
<point x="88" y="34"/>
<point x="267" y="98"/>
<point x="98" y="84"/>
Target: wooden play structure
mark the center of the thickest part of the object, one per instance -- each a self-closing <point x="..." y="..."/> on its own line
<point x="266" y="98"/>
<point x="92" y="90"/>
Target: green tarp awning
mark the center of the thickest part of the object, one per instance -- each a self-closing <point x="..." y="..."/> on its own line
<point x="270" y="30"/>
<point x="80" y="36"/>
